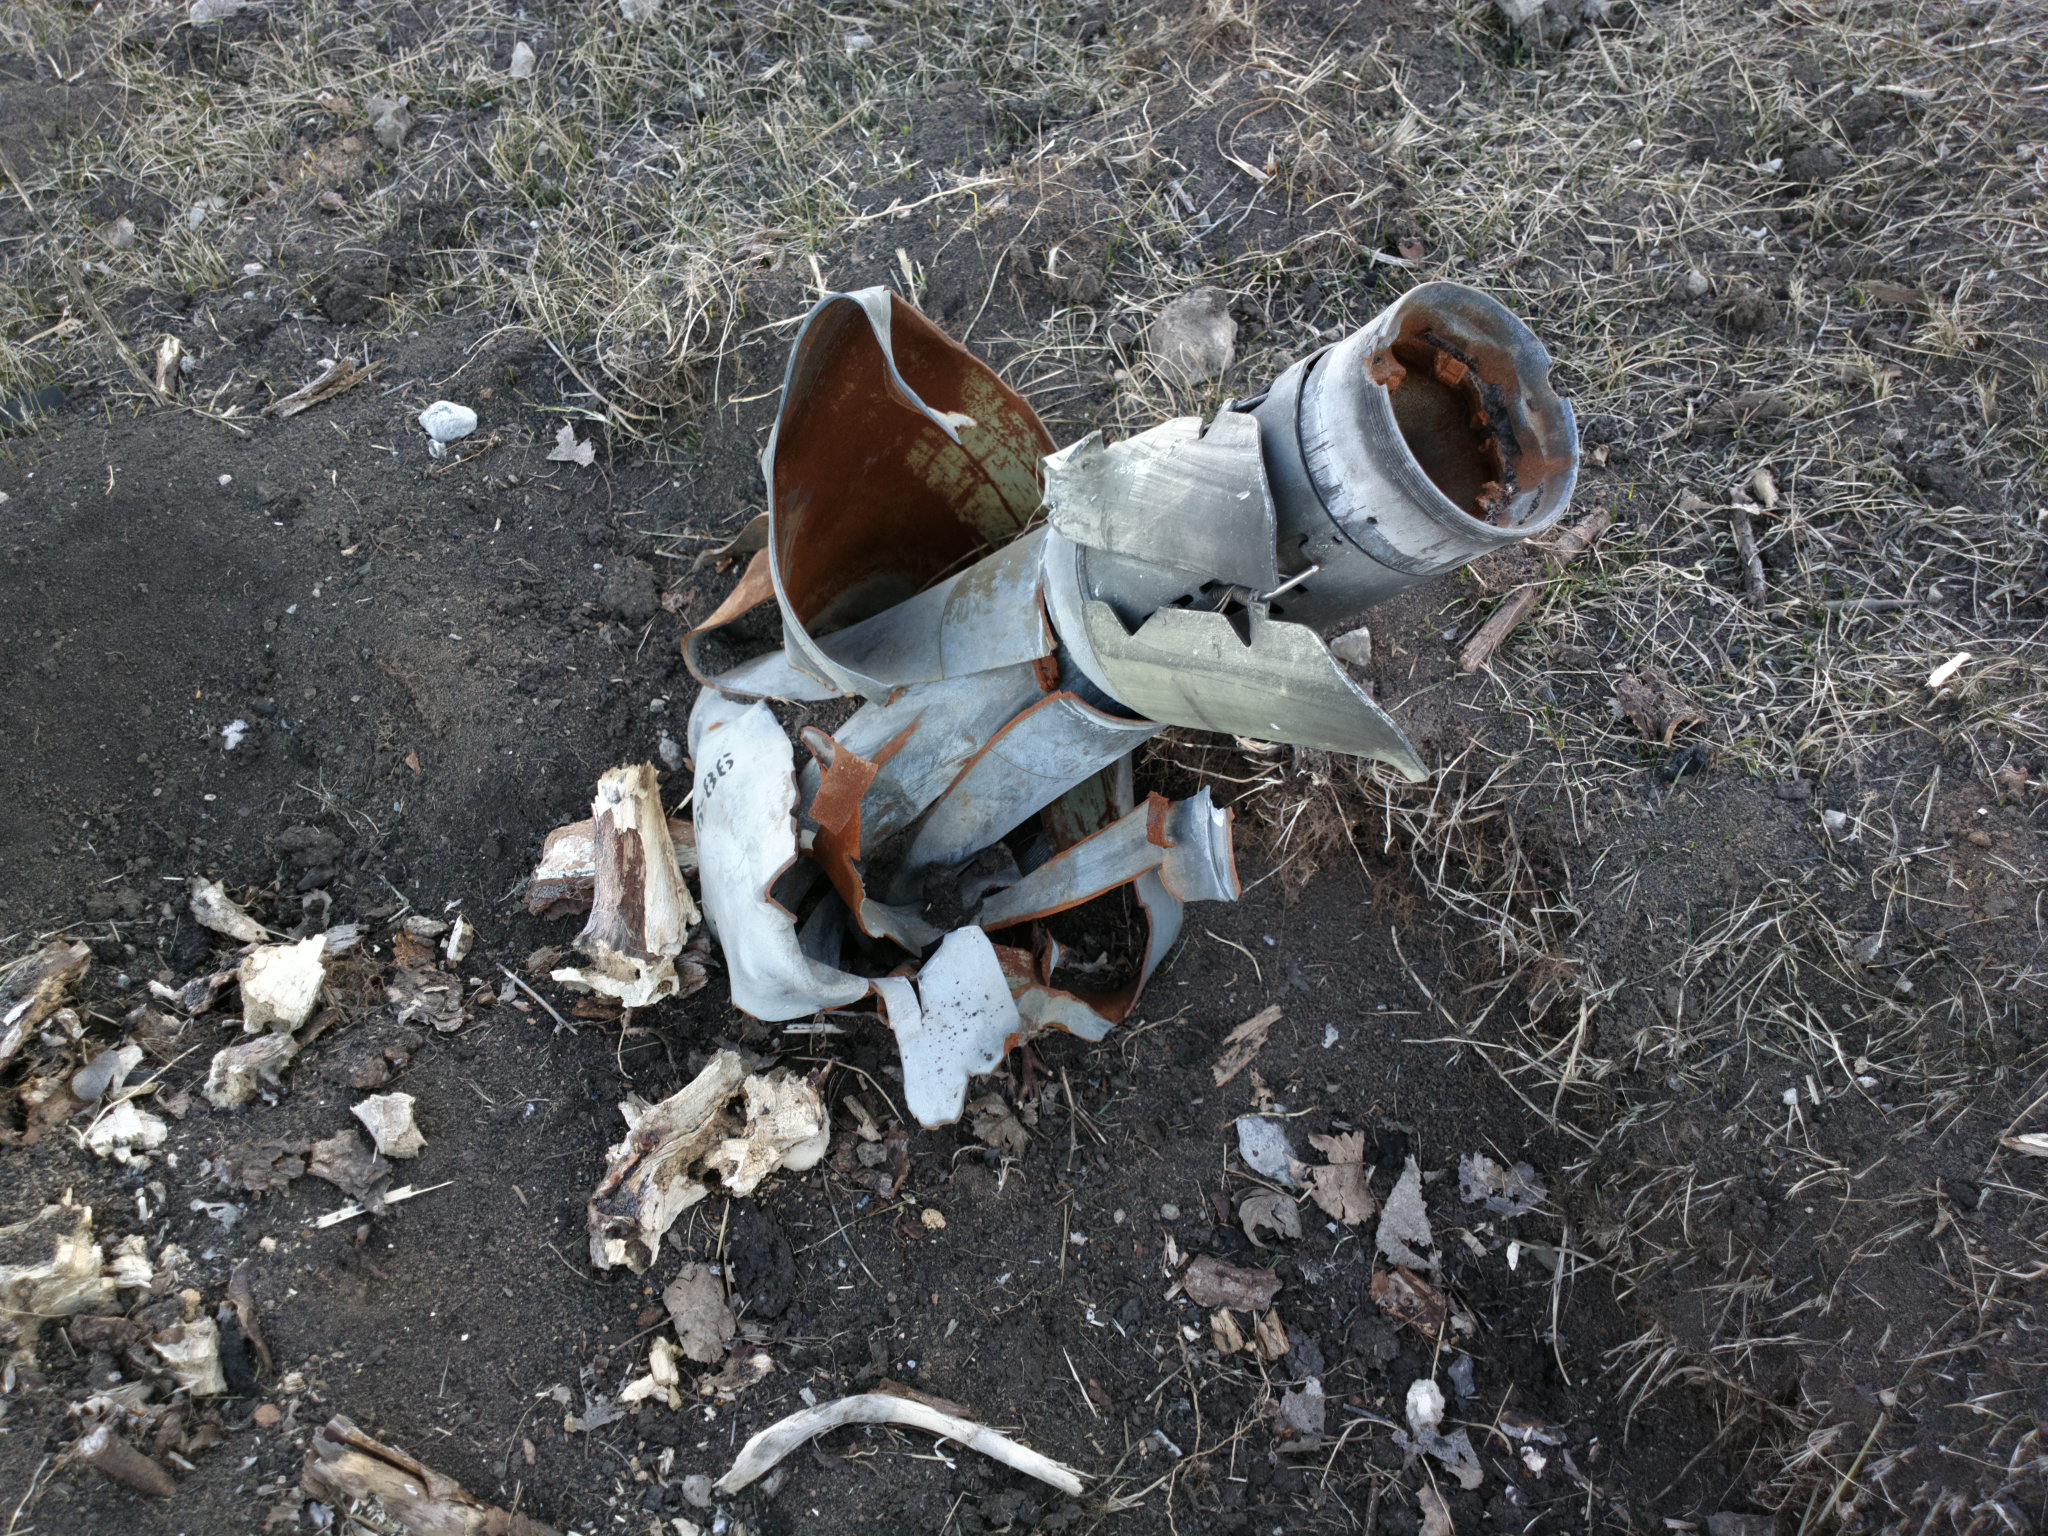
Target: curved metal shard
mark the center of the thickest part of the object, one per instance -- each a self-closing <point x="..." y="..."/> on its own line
<point x="964" y="1023"/>
<point x="988" y="616"/>
<point x="746" y="838"/>
<point x="1187" y="843"/>
<point x="1175" y="495"/>
<point x="1025" y="767"/>
<point x="898" y="459"/>
<point x="1189" y="668"/>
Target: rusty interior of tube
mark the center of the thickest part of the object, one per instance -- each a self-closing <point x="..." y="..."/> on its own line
<point x="1453" y="418"/>
<point x="874" y="501"/>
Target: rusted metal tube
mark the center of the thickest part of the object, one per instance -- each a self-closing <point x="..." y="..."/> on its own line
<point x="1421" y="441"/>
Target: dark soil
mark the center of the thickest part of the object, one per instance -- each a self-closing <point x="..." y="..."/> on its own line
<point x="434" y="662"/>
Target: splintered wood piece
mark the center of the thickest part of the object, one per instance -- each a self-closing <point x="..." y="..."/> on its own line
<point x="335" y="379"/>
<point x="562" y="882"/>
<point x="344" y="1466"/>
<point x="641" y="912"/>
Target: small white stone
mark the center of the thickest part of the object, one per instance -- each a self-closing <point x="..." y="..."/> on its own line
<point x="446" y="422"/>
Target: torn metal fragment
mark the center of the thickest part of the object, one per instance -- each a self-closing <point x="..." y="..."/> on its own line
<point x="1272" y="681"/>
<point x="960" y="1022"/>
<point x="1177" y="494"/>
<point x="1016" y="621"/>
<point x="1421" y="441"/>
<point x="746" y="839"/>
<point x="1187" y="842"/>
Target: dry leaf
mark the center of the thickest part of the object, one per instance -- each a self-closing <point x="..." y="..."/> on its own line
<point x="1425" y="1416"/>
<point x="1243" y="1043"/>
<point x="2028" y="1143"/>
<point x="1340" y="1186"/>
<point x="1408" y="1298"/>
<point x="1655" y="704"/>
<point x="1275" y="1213"/>
<point x="343" y="1161"/>
<point x="568" y="450"/>
<point x="696" y="1305"/>
<point x="261" y="1166"/>
<point x="1506" y="1191"/>
<point x="1896" y="294"/>
<point x="1301" y="1414"/>
<point x="1404" y="1223"/>
<point x="1436" y="1514"/>
<point x="992" y="1121"/>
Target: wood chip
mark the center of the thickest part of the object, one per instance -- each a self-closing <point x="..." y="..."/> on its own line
<point x="1210" y="1282"/>
<point x="1243" y="1043"/>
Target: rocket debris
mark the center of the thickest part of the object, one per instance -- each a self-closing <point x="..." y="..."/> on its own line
<point x="1012" y="622"/>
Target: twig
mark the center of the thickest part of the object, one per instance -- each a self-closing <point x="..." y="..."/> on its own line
<point x="1572" y="543"/>
<point x="351" y="1211"/>
<point x="522" y="986"/>
<point x="1872" y="604"/>
<point x="337" y="378"/>
<point x="1086" y="1401"/>
<point x="1745" y="548"/>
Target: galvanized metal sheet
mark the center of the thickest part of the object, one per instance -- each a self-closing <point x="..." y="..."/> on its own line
<point x="946" y="722"/>
<point x="1187" y="842"/>
<point x="773" y="677"/>
<point x="990" y="615"/>
<point x="898" y="459"/>
<point x="745" y="806"/>
<point x="1190" y="668"/>
<point x="1028" y="764"/>
<point x="964" y="1022"/>
<point x="1176" y="495"/>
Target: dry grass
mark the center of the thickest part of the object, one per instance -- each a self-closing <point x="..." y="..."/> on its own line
<point x="615" y="203"/>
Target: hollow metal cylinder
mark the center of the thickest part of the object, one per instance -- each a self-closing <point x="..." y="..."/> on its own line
<point x="1427" y="438"/>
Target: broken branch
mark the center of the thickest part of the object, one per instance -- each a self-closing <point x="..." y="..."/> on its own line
<point x="1572" y="543"/>
<point x="1745" y="549"/>
<point x="344" y="1465"/>
<point x="760" y="1454"/>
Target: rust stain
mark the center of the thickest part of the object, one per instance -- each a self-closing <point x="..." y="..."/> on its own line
<point x="872" y="501"/>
